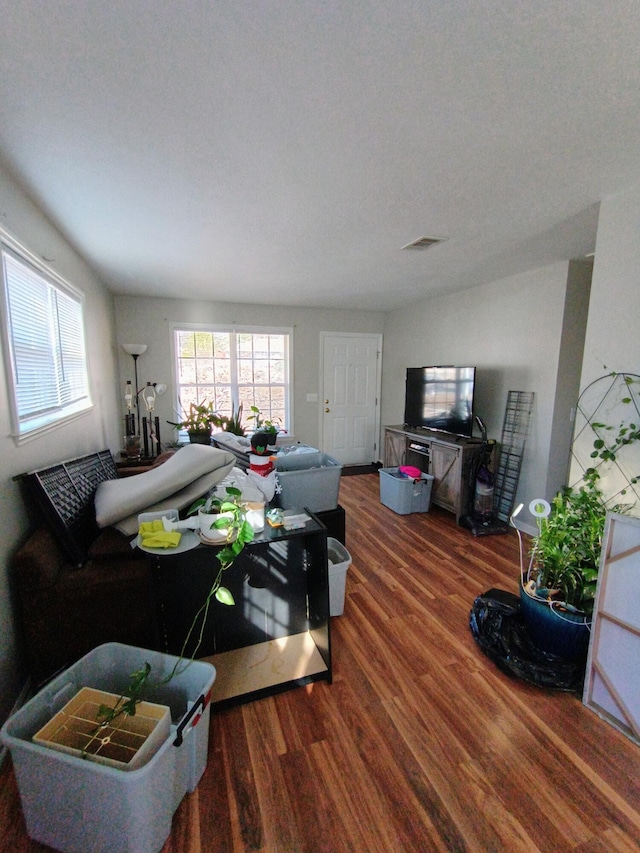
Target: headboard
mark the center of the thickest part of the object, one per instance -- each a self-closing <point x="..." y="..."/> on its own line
<point x="64" y="494"/>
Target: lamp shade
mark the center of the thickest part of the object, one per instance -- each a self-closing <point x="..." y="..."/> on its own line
<point x="134" y="349"/>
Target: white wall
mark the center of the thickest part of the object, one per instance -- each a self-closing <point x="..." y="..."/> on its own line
<point x="94" y="430"/>
<point x="576" y="309"/>
<point x="612" y="341"/>
<point x="147" y="321"/>
<point x="511" y="331"/>
<point x="613" y="329"/>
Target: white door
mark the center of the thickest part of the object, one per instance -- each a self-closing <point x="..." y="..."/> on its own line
<point x="350" y="383"/>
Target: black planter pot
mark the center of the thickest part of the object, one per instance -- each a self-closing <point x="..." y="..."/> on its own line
<point x="200" y="436"/>
<point x="260" y="441"/>
<point x="553" y="630"/>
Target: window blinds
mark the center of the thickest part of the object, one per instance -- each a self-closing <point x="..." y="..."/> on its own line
<point x="45" y="336"/>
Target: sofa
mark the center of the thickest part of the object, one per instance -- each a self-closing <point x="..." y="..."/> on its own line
<point x="78" y="580"/>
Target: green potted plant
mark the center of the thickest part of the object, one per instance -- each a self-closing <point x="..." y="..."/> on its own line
<point x="233" y="423"/>
<point x="266" y="431"/>
<point x="198" y="421"/>
<point x="557" y="590"/>
<point x="224" y="519"/>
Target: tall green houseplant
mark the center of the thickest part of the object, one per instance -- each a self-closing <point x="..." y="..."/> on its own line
<point x="566" y="551"/>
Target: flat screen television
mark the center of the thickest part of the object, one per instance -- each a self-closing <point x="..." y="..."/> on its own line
<point x="440" y="398"/>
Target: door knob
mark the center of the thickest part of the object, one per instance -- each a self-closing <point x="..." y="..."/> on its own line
<point x="327" y="410"/>
<point x="326" y="402"/>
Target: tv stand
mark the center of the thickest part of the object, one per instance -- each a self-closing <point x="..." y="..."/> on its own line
<point x="448" y="458"/>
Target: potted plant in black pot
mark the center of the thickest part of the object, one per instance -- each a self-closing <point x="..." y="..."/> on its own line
<point x="266" y="432"/>
<point x="198" y="421"/>
<point x="558" y="589"/>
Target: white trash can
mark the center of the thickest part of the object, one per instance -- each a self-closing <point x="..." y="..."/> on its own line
<point x="339" y="562"/>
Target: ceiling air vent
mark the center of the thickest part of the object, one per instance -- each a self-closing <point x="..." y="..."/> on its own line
<point x="424" y="242"/>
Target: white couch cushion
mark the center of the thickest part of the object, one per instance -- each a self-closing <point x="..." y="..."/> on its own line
<point x="184" y="477"/>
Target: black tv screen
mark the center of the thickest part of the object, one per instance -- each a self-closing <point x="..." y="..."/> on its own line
<point x="440" y="398"/>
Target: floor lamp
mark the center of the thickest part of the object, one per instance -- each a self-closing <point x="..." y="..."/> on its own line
<point x="134" y="350"/>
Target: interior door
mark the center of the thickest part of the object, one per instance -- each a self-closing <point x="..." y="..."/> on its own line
<point x="350" y="383"/>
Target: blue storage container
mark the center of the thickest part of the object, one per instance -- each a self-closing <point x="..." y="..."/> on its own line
<point x="404" y="495"/>
<point x="80" y="806"/>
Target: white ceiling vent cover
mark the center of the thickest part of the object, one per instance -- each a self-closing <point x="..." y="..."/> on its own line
<point x="424" y="242"/>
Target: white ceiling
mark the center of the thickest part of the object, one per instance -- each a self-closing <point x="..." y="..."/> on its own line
<point x="286" y="151"/>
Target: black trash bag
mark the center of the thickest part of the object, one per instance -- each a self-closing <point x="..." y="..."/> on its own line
<point x="498" y="627"/>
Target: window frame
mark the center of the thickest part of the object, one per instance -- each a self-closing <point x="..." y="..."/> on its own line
<point x="25" y="428"/>
<point x="234" y="329"/>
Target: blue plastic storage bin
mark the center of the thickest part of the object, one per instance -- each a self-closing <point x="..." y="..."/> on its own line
<point x="80" y="806"/>
<point x="403" y="494"/>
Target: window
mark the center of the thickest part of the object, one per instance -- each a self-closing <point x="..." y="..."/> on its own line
<point x="229" y="367"/>
<point x="43" y="337"/>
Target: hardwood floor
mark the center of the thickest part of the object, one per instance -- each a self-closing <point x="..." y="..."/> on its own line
<point x="421" y="743"/>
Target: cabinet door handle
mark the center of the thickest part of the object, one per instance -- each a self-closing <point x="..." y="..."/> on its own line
<point x="327" y="410"/>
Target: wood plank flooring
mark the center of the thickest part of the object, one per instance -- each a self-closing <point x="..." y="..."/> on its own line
<point x="421" y="743"/>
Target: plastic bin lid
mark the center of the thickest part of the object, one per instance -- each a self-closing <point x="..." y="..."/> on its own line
<point x="410" y="471"/>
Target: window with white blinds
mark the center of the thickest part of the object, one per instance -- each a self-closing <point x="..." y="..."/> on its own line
<point x="44" y="346"/>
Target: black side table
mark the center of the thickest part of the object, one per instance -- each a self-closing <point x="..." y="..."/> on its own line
<point x="276" y="636"/>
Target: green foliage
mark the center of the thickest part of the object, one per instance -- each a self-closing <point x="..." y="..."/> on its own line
<point x="261" y="424"/>
<point x="233" y="423"/>
<point x="238" y="533"/>
<point x="124" y="705"/>
<point x="566" y="553"/>
<point x="200" y="416"/>
<point x="606" y="447"/>
<point x="233" y="519"/>
<point x="567" y="548"/>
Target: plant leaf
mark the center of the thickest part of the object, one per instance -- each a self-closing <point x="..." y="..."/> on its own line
<point x="224" y="596"/>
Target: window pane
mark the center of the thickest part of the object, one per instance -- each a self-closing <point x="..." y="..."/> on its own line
<point x="222" y="345"/>
<point x="261" y="372"/>
<point x="277" y="371"/>
<point x="204" y="344"/>
<point x="222" y="370"/>
<point x="186" y="371"/>
<point x="204" y="371"/>
<point x="185" y="344"/>
<point x="228" y="368"/>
